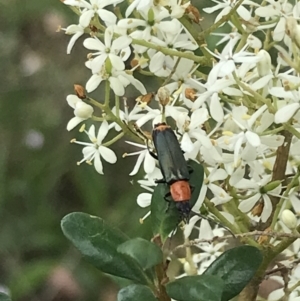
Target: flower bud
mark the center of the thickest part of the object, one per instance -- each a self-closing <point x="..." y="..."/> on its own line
<point x="83" y="110"/>
<point x="270" y="186"/>
<point x="289" y="219"/>
<point x="264" y="64"/>
<point x="80" y="92"/>
<point x="193" y="13"/>
<point x="163" y="95"/>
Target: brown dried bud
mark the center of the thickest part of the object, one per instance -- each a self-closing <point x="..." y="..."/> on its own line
<point x="145" y="99"/>
<point x="264" y="238"/>
<point x="190" y="94"/>
<point x="80" y="91"/>
<point x="163" y="95"/>
<point x="257" y="209"/>
<point x="134" y="62"/>
<point x="193" y="13"/>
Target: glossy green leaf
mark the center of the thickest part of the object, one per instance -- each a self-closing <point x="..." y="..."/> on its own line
<point x="146" y="253"/>
<point x="136" y="292"/>
<point x="4" y="297"/>
<point x="236" y="267"/>
<point x="164" y="215"/>
<point x="196" y="180"/>
<point x="98" y="242"/>
<point x="196" y="288"/>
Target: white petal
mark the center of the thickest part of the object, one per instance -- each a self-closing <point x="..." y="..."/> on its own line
<point x="219" y="174"/>
<point x="107" y="154"/>
<point x="266" y="11"/>
<point x="83" y="110"/>
<point x="131" y="23"/>
<point x="94" y="44"/>
<point x="279" y="30"/>
<point x="117" y="86"/>
<point x="98" y="164"/>
<point x="267" y="208"/>
<point x="247" y="205"/>
<point x="156" y="62"/>
<point x="117" y="62"/>
<point x="186" y="143"/>
<point x="286" y="113"/>
<point x="244" y="13"/>
<point x="86" y="18"/>
<point x="149" y="163"/>
<point x="108" y="17"/>
<point x="144" y="199"/>
<point x="190" y="226"/>
<point x="252" y="138"/>
<point x="73" y="40"/>
<point x="215" y="108"/>
<point x="103" y="130"/>
<point x="92" y="133"/>
<point x="73" y="123"/>
<point x="200" y="199"/>
<point x="73" y="100"/>
<point x="98" y="62"/>
<point x="93" y="83"/>
<point x="121" y="43"/>
<point x="138" y="163"/>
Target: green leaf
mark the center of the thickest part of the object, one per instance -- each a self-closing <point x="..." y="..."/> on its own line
<point x="4" y="297"/>
<point x="164" y="215"/>
<point x="136" y="292"/>
<point x="196" y="288"/>
<point x="98" y="242"/>
<point x="146" y="253"/>
<point x="236" y="267"/>
<point x="196" y="180"/>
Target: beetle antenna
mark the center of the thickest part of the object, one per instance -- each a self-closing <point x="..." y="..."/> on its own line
<point x="215" y="222"/>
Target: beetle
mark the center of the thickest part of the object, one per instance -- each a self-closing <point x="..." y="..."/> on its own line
<point x="174" y="168"/>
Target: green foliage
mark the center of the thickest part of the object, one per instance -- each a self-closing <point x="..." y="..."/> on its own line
<point x="99" y="242"/>
<point x="235" y="267"/>
<point x="112" y="252"/>
<point x="136" y="292"/>
<point x="4" y="297"/>
<point x="196" y="288"/>
<point x="144" y="252"/>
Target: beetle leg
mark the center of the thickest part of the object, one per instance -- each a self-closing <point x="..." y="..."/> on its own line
<point x="168" y="200"/>
<point x="160" y="181"/>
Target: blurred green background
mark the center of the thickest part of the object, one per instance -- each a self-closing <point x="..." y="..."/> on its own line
<point x="39" y="179"/>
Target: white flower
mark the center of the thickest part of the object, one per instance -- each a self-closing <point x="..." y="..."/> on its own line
<point x="281" y="9"/>
<point x="89" y="9"/>
<point x="209" y="251"/>
<point x="77" y="31"/>
<point x="82" y="111"/>
<point x="286" y="113"/>
<point x="190" y="128"/>
<point x="95" y="150"/>
<point x="139" y="5"/>
<point x="119" y="80"/>
<point x="144" y="155"/>
<point x="227" y="5"/>
<point x="257" y="188"/>
<point x="228" y="59"/>
<point x="111" y="49"/>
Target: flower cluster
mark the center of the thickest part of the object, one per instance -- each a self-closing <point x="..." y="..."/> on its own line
<point x="236" y="110"/>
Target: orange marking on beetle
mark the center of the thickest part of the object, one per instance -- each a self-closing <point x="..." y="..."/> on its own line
<point x="180" y="191"/>
<point x="161" y="127"/>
